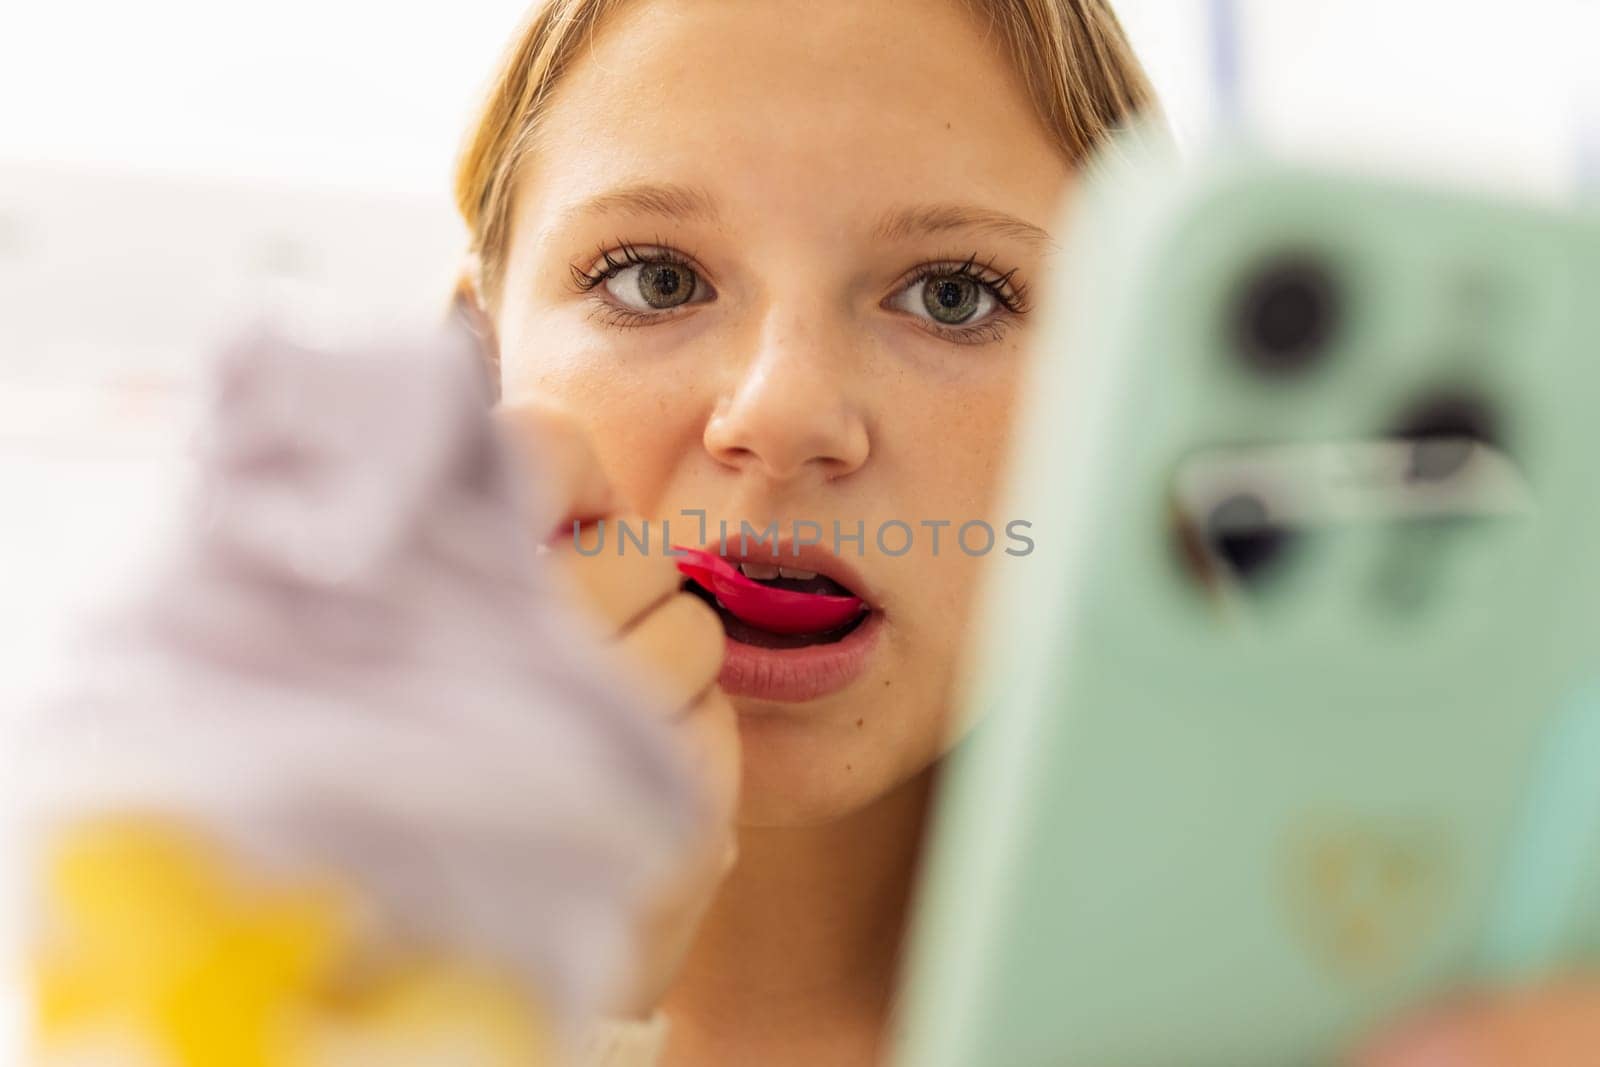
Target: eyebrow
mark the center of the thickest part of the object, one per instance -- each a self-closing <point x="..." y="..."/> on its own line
<point x="687" y="202"/>
<point x="649" y="198"/>
<point x="942" y="218"/>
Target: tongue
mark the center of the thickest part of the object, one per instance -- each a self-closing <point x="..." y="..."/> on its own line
<point x="781" y="611"/>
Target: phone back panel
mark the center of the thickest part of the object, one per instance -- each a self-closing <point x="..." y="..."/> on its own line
<point x="1291" y="718"/>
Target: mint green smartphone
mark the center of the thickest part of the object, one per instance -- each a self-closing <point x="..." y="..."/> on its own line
<point x="1291" y="720"/>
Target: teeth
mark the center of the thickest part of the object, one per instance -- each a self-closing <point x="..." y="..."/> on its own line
<point x="804" y="576"/>
<point x="760" y="571"/>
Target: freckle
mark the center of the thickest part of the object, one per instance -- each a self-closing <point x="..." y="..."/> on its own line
<point x="886" y="683"/>
<point x="848" y="767"/>
<point x="947" y="125"/>
<point x="859" y="722"/>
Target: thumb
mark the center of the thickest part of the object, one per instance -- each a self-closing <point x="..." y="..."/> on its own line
<point x="554" y="446"/>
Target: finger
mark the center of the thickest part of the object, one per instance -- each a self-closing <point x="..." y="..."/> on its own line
<point x="712" y="727"/>
<point x="619" y="589"/>
<point x="1441" y="1037"/>
<point x="553" y="446"/>
<point x="1556" y="1026"/>
<point x="681" y="643"/>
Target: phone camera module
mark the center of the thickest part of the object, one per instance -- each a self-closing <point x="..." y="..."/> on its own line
<point x="1286" y="316"/>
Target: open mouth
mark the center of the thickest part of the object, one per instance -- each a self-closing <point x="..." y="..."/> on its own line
<point x="768" y="606"/>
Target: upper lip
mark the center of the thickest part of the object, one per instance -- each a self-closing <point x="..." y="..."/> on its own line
<point x="801" y="558"/>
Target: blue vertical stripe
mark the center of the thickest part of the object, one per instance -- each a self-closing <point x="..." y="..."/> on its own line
<point x="1226" y="78"/>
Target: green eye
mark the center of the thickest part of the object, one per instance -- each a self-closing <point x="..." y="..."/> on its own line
<point x="665" y="285"/>
<point x="641" y="284"/>
<point x="951" y="299"/>
<point x="961" y="302"/>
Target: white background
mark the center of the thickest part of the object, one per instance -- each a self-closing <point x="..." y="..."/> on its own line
<point x="375" y="94"/>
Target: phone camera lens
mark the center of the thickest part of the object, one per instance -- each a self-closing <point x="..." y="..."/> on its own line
<point x="1287" y="315"/>
<point x="1243" y="537"/>
<point x="1444" y="427"/>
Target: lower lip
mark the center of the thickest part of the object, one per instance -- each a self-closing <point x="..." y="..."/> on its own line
<point x="793" y="675"/>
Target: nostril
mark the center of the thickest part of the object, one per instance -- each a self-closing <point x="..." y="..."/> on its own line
<point x="837" y="468"/>
<point x="734" y="455"/>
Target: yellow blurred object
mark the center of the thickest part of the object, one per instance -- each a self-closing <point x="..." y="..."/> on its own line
<point x="158" y="953"/>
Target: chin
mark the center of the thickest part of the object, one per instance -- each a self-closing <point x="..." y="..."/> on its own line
<point x="805" y="765"/>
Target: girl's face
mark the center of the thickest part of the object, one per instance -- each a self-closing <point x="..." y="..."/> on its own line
<point x="783" y="267"/>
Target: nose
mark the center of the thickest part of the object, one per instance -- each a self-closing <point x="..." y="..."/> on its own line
<point x="791" y="409"/>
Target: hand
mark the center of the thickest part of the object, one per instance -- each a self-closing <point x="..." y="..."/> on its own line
<point x="1553" y="1025"/>
<point x="678" y="639"/>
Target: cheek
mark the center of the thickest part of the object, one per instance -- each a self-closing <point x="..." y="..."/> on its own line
<point x="641" y="414"/>
<point x="957" y="437"/>
<point x="954" y="461"/>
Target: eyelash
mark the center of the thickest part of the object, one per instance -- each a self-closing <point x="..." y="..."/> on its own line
<point x="609" y="265"/>
<point x="615" y="260"/>
<point x="1011" y="295"/>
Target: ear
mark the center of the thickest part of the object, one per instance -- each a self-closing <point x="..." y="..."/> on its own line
<point x="468" y="306"/>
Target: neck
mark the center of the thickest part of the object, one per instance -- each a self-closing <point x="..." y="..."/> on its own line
<point x="810" y="921"/>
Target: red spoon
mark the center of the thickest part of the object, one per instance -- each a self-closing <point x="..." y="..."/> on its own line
<point x="782" y="611"/>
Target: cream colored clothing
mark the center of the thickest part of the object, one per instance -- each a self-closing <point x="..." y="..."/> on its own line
<point x="624" y="1043"/>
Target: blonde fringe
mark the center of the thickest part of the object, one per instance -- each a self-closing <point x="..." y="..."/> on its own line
<point x="1073" y="56"/>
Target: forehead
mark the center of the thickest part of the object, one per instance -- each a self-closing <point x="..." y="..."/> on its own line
<point x="797" y="111"/>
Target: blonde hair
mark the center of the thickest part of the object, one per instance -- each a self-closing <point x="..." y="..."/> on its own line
<point x="1073" y="56"/>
